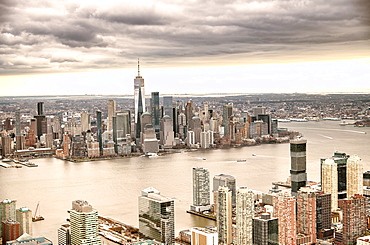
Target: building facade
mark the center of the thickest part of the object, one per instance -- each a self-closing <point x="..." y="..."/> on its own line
<point x="244" y="216"/>
<point x="224" y="216"/>
<point x="298" y="164"/>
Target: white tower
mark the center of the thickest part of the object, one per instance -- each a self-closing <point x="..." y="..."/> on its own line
<point x="244" y="216"/>
<point x="224" y="215"/>
<point x="354" y="176"/>
<point x="329" y="182"/>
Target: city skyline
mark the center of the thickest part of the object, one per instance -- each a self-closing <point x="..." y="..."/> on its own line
<point x="191" y="47"/>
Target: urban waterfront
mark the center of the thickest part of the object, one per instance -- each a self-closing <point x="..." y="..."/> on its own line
<point x="113" y="186"/>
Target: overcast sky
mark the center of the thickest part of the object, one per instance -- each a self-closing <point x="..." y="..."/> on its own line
<point x="195" y="46"/>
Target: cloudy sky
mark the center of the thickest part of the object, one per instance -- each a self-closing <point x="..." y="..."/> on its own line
<point x="194" y="46"/>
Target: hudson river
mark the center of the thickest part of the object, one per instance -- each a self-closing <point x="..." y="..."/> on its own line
<point x="113" y="186"/>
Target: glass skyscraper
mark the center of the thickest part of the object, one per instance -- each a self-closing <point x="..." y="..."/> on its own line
<point x="156" y="216"/>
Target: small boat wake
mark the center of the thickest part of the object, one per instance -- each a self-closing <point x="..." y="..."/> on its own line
<point x="328" y="137"/>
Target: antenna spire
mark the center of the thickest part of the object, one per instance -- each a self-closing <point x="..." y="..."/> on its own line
<point x="138" y="67"/>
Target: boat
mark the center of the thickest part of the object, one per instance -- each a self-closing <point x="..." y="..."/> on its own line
<point x="241" y="160"/>
<point x="254" y="155"/>
<point x="283" y="120"/>
<point x="298" y="120"/>
<point x="37" y="217"/>
<point x="6" y="160"/>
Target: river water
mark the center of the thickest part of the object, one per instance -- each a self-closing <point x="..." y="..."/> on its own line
<point x="113" y="186"/>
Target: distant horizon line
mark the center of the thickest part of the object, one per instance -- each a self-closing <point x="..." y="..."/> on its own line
<point x="184" y="94"/>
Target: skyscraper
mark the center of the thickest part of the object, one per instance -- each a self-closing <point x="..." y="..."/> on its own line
<point x="306" y="213"/>
<point x="64" y="234"/>
<point x="244" y="216"/>
<point x="155" y="112"/>
<point x="265" y="230"/>
<point x="111" y="113"/>
<point x="323" y="214"/>
<point x="7" y="211"/>
<point x="85" y="122"/>
<point x="201" y="188"/>
<point x="224" y="215"/>
<point x="298" y="164"/>
<point x="84" y="224"/>
<point x="285" y="211"/>
<point x="167" y="137"/>
<point x="139" y="98"/>
<point x="329" y="181"/>
<point x="18" y="123"/>
<point x="354" y="176"/>
<point x="228" y="181"/>
<point x="167" y="106"/>
<point x="354" y="219"/>
<point x="100" y="131"/>
<point x="156" y="216"/>
<point x="24" y="217"/>
<point x="123" y="123"/>
<point x="227" y="111"/>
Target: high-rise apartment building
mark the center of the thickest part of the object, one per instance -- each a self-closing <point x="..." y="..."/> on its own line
<point x="354" y="220"/>
<point x="354" y="176"/>
<point x="285" y="211"/>
<point x="265" y="230"/>
<point x="244" y="216"/>
<point x="85" y="122"/>
<point x="224" y="215"/>
<point x="111" y="113"/>
<point x="201" y="189"/>
<point x="10" y="230"/>
<point x="225" y="180"/>
<point x="64" y="234"/>
<point x="306" y="213"/>
<point x="323" y="214"/>
<point x="7" y="211"/>
<point x="139" y="98"/>
<point x="156" y="216"/>
<point x="24" y="217"/>
<point x="329" y="181"/>
<point x="84" y="224"/>
<point x="298" y="164"/>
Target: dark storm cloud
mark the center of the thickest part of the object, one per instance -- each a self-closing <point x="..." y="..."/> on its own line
<point x="50" y="34"/>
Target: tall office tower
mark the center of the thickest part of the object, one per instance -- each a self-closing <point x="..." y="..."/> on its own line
<point x="203" y="236"/>
<point x="206" y="139"/>
<point x="355" y="176"/>
<point x="84" y="224"/>
<point x="306" y="213"/>
<point x="181" y="125"/>
<point x="341" y="160"/>
<point x="201" y="189"/>
<point x="227" y="111"/>
<point x="139" y="97"/>
<point x="146" y="118"/>
<point x="323" y="214"/>
<point x="189" y="111"/>
<point x="155" y="112"/>
<point x="100" y="131"/>
<point x="85" y="122"/>
<point x="64" y="234"/>
<point x="10" y="230"/>
<point x="354" y="219"/>
<point x="225" y="180"/>
<point x="111" y="113"/>
<point x="285" y="211"/>
<point x="156" y="216"/>
<point x="329" y="181"/>
<point x="224" y="215"/>
<point x="17" y="122"/>
<point x="167" y="138"/>
<point x="244" y="216"/>
<point x="6" y="143"/>
<point x="7" y="211"/>
<point x="40" y="108"/>
<point x="206" y="112"/>
<point x="167" y="106"/>
<point x="265" y="230"/>
<point x="150" y="142"/>
<point x="123" y="123"/>
<point x="259" y="110"/>
<point x="24" y="217"/>
<point x="195" y="125"/>
<point x="298" y="164"/>
<point x="266" y="118"/>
